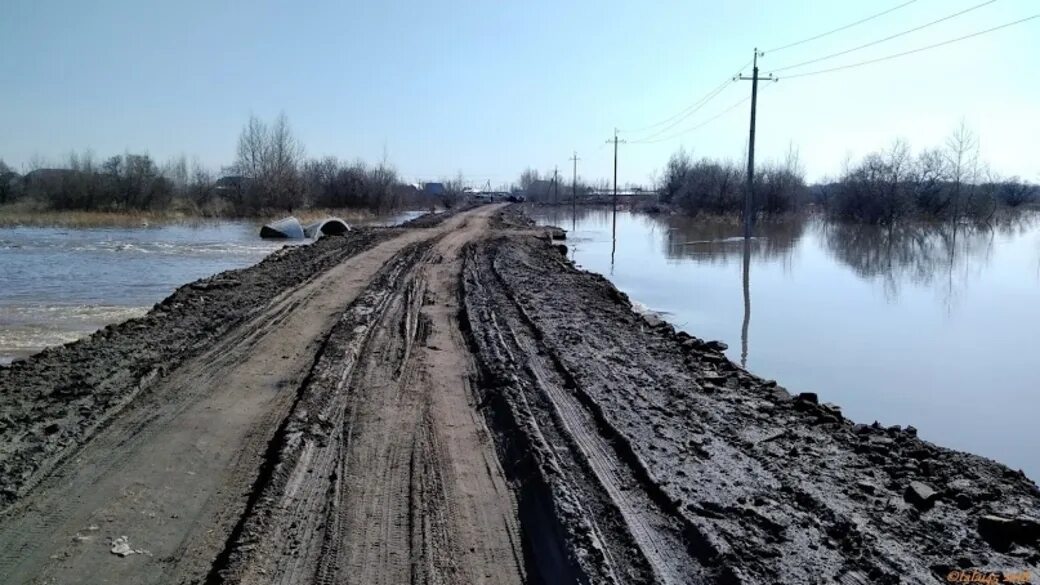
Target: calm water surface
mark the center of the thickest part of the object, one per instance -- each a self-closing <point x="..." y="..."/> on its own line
<point x="920" y="325"/>
<point x="59" y="284"/>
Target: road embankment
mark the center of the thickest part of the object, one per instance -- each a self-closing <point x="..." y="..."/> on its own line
<point x="454" y="401"/>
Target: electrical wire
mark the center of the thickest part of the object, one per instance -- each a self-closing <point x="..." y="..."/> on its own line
<point x="705" y="102"/>
<point x="888" y="38"/>
<point x="682" y="112"/>
<point x="689" y="110"/>
<point x="700" y="125"/>
<point x="846" y="27"/>
<point x="912" y="51"/>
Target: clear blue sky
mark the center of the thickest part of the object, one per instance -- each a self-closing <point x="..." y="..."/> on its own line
<point x="491" y="87"/>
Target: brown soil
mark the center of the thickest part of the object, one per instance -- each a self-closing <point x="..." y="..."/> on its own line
<point x="454" y="402"/>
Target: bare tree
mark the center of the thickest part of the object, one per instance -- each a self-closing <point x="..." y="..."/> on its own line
<point x="269" y="158"/>
<point x="201" y="188"/>
<point x="176" y="171"/>
<point x="319" y="180"/>
<point x="1013" y="192"/>
<point x="454" y="190"/>
<point x="529" y="177"/>
<point x="962" y="163"/>
<point x="252" y="145"/>
<point x="875" y="191"/>
<point x="9" y="183"/>
<point x="284" y="153"/>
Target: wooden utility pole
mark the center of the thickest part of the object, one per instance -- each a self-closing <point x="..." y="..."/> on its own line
<point x="615" y="141"/>
<point x="750" y="190"/>
<point x="556" y="185"/>
<point x="574" y="184"/>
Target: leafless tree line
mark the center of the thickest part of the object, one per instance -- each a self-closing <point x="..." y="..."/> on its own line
<point x="125" y="181"/>
<point x="951" y="182"/>
<point x="719" y="186"/>
<point x="269" y="173"/>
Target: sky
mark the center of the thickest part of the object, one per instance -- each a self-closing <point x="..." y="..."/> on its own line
<point x="490" y="88"/>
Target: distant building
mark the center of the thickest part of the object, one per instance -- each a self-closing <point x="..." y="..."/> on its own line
<point x="434" y="189"/>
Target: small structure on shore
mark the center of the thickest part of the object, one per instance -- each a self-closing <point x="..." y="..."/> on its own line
<point x="330" y="226"/>
<point x="288" y="227"/>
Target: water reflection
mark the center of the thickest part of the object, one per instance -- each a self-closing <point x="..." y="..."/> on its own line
<point x="723" y="240"/>
<point x="746" y="272"/>
<point x="943" y="256"/>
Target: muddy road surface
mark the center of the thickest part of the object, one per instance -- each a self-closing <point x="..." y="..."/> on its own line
<point x="455" y="402"/>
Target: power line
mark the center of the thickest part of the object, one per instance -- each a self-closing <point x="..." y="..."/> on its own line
<point x="689" y="110"/>
<point x="847" y="26"/>
<point x="690" y="113"/>
<point x="888" y="38"/>
<point x="685" y="112"/>
<point x="912" y="51"/>
<point x="700" y="125"/>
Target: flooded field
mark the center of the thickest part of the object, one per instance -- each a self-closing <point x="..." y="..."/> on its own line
<point x="923" y="325"/>
<point x="60" y="284"/>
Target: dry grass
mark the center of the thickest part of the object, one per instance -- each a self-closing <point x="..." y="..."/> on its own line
<point x="90" y="219"/>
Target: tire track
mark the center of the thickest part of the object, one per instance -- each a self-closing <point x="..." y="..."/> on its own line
<point x="378" y="475"/>
<point x="640" y="522"/>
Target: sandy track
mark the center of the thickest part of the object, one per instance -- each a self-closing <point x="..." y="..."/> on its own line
<point x="173" y="471"/>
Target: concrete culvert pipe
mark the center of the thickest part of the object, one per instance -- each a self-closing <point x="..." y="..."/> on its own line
<point x="288" y="227"/>
<point x="332" y="226"/>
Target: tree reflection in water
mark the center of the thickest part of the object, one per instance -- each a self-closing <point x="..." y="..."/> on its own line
<point x="939" y="257"/>
<point x="722" y="240"/>
<point x="718" y="241"/>
<point x="926" y="254"/>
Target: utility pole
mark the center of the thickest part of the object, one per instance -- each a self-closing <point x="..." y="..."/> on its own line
<point x="615" y="141"/>
<point x="574" y="184"/>
<point x="749" y="192"/>
<point x="556" y="185"/>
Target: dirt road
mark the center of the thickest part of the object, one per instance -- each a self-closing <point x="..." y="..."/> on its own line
<point x="173" y="471"/>
<point x="458" y="403"/>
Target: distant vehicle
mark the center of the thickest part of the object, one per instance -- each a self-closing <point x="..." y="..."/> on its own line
<point x="517" y="198"/>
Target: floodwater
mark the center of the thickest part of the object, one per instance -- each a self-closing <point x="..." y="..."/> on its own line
<point x="60" y="284"/>
<point x="923" y="325"/>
